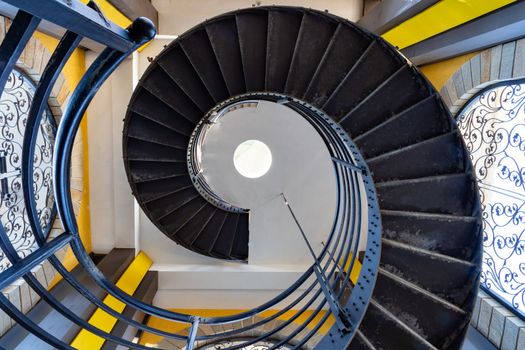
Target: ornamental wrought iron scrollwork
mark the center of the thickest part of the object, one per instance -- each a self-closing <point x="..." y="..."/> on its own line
<point x="493" y="126"/>
<point x="15" y="103"/>
<point x="261" y="345"/>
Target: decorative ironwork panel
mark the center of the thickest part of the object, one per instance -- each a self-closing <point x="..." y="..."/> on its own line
<point x="261" y="345"/>
<point x="493" y="127"/>
<point x="15" y="103"/>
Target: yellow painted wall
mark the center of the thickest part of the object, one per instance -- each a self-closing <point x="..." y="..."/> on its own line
<point x="440" y="17"/>
<point x="111" y="13"/>
<point x="438" y="73"/>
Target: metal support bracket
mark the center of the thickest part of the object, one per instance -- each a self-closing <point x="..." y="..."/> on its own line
<point x="341" y="317"/>
<point x="93" y="5"/>
<point x="193" y="333"/>
<point x="4" y="175"/>
<point x="349" y="165"/>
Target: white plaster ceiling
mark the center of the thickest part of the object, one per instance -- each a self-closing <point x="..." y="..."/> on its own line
<point x="301" y="169"/>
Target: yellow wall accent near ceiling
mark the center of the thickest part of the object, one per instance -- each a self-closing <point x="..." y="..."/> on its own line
<point x="438" y="73"/>
<point x="111" y="13"/>
<point x="442" y="16"/>
<point x="128" y="282"/>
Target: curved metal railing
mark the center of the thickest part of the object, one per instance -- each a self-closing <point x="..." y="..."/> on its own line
<point x="322" y="296"/>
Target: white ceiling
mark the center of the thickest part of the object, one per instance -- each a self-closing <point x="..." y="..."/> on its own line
<point x="177" y="16"/>
<point x="301" y="169"/>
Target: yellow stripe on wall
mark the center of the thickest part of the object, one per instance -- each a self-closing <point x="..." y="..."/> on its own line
<point x="128" y="282"/>
<point x="438" y="18"/>
<point x="112" y="13"/>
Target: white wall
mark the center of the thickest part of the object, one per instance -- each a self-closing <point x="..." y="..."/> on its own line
<point x="111" y="202"/>
<point x="177" y="16"/>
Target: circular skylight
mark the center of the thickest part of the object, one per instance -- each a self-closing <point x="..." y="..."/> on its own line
<point x="252" y="159"/>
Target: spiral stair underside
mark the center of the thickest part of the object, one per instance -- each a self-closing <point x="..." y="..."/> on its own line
<point x="431" y="250"/>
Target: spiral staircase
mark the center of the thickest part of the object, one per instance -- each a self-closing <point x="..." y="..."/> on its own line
<point x="397" y="155"/>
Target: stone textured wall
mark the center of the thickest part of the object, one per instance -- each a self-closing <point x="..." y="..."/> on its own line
<point x="499" y="63"/>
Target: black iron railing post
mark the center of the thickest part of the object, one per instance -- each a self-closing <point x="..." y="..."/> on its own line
<point x="339" y="313"/>
<point x="14" y="43"/>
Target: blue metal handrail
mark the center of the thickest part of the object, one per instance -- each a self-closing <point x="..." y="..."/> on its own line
<point x="341" y="246"/>
<point x="78" y="18"/>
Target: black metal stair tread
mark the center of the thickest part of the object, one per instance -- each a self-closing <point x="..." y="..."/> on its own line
<point x="138" y="149"/>
<point x="444" y="234"/>
<point x="225" y="43"/>
<point x="159" y="159"/>
<point x="429" y="295"/>
<point x="206" y="239"/>
<point x="178" y="67"/>
<point x="385" y="331"/>
<point x="359" y="83"/>
<point x="145" y="129"/>
<point x="360" y="342"/>
<point x="412" y="306"/>
<point x="152" y="141"/>
<point x="252" y="29"/>
<point x="183" y="129"/>
<point x="239" y="249"/>
<point x="166" y="205"/>
<point x="146" y="98"/>
<point x="386" y="100"/>
<point x="336" y="62"/>
<point x="200" y="53"/>
<point x="452" y="280"/>
<point x="283" y="29"/>
<point x="160" y="85"/>
<point x="223" y="245"/>
<point x="416" y="214"/>
<point x="142" y="171"/>
<point x="166" y="194"/>
<point x="445" y="194"/>
<point x="191" y="229"/>
<point x="312" y="41"/>
<point x="340" y="85"/>
<point x="153" y="190"/>
<point x="152" y="179"/>
<point x="178" y="217"/>
<point x="419" y="122"/>
<point x="442" y="154"/>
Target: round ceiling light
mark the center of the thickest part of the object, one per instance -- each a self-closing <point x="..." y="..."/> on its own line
<point x="252" y="159"/>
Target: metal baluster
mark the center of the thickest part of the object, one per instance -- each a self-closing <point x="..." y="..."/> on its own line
<point x="193" y="333"/>
<point x="65" y="48"/>
<point x="350" y="165"/>
<point x="25" y="322"/>
<point x="21" y="267"/>
<point x="340" y="314"/>
<point x="14" y="43"/>
<point x="4" y="175"/>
